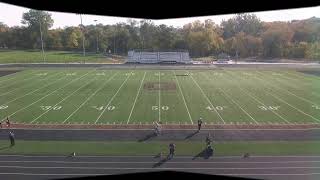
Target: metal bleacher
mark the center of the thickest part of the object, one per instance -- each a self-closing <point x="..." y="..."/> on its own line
<point x="145" y="57"/>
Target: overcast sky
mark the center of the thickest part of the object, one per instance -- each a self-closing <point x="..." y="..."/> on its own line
<point x="12" y="15"/>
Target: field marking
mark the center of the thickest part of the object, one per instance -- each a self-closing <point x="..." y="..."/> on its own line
<point x="208" y="99"/>
<point x="304" y="76"/>
<point x="65" y="98"/>
<point x="135" y="100"/>
<point x="36" y="89"/>
<point x="184" y="101"/>
<point x="16" y="75"/>
<point x="19" y="81"/>
<point x="149" y="168"/>
<point x="260" y="102"/>
<point x="226" y="95"/>
<point x="46" y="95"/>
<point x="276" y="97"/>
<point x="111" y="100"/>
<point x="159" y="98"/>
<point x="83" y="103"/>
<point x="306" y="100"/>
<point x="291" y="85"/>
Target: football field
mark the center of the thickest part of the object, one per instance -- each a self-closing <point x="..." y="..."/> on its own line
<point x="98" y="96"/>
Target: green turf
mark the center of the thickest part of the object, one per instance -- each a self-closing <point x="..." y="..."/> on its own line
<point x="155" y="147"/>
<point x="19" y="56"/>
<point x="120" y="96"/>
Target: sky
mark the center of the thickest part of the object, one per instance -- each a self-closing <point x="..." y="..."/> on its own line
<point x="11" y="15"/>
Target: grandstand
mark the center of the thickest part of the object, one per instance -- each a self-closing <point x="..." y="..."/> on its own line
<point x="147" y="57"/>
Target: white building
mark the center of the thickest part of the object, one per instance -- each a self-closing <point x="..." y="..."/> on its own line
<point x="146" y="57"/>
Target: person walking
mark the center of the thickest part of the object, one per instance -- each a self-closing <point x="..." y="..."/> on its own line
<point x="12" y="139"/>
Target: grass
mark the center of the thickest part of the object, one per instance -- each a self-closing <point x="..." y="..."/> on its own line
<point x="19" y="56"/>
<point x="119" y="96"/>
<point x="154" y="147"/>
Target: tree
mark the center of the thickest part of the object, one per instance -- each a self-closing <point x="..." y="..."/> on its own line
<point x="33" y="19"/>
<point x="276" y="39"/>
<point x="72" y="38"/>
<point x="247" y="23"/>
<point x="3" y="34"/>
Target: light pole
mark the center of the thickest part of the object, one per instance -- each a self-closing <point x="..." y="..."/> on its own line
<point x="114" y="43"/>
<point x="97" y="35"/>
<point x="43" y="55"/>
<point x="84" y="50"/>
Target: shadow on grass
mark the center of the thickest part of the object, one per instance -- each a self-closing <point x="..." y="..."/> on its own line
<point x="203" y="154"/>
<point x="148" y="137"/>
<point x="191" y="135"/>
<point x="5" y="147"/>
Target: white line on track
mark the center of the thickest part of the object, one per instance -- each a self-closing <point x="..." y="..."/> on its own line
<point x="112" y="98"/>
<point x="168" y="162"/>
<point x="184" y="101"/>
<point x="50" y="174"/>
<point x="152" y="156"/>
<point x="65" y="98"/>
<point x="264" y="174"/>
<point x="47" y="95"/>
<point x="36" y="89"/>
<point x="208" y="99"/>
<point x="90" y="97"/>
<point x="148" y="168"/>
<point x="135" y="100"/>
<point x="243" y="90"/>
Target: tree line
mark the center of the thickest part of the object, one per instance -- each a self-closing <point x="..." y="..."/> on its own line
<point x="243" y="35"/>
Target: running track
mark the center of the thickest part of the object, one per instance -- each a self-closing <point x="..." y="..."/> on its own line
<point x="260" y="167"/>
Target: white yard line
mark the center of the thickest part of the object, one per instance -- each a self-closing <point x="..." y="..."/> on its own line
<point x="261" y="103"/>
<point x="19" y="81"/>
<point x="184" y="101"/>
<point x="135" y="100"/>
<point x="112" y="99"/>
<point x="276" y="97"/>
<point x="90" y="97"/>
<point x="280" y="99"/>
<point x="159" y="98"/>
<point x="226" y="95"/>
<point x="36" y="89"/>
<point x="65" y="98"/>
<point x="306" y="100"/>
<point x="46" y="95"/>
<point x="14" y="75"/>
<point x="16" y="89"/>
<point x="208" y="99"/>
